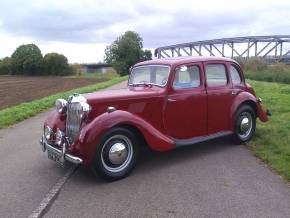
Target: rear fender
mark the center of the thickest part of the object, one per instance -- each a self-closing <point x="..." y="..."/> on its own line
<point x="91" y="134"/>
<point x="248" y="98"/>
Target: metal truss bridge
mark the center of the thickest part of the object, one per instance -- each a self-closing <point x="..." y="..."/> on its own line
<point x="270" y="48"/>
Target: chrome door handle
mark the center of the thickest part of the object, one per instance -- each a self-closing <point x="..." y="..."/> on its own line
<point x="234" y="92"/>
<point x="171" y="100"/>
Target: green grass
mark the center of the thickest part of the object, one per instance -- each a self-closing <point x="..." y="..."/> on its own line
<point x="272" y="139"/>
<point x="9" y="116"/>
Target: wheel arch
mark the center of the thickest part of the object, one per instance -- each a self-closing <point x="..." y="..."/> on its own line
<point x="251" y="103"/>
<point x="139" y="135"/>
<point x="91" y="134"/>
<point x="242" y="99"/>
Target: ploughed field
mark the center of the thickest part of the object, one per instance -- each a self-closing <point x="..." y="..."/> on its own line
<point x="18" y="89"/>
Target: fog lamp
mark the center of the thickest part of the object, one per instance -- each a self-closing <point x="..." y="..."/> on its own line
<point x="47" y="132"/>
<point x="59" y="137"/>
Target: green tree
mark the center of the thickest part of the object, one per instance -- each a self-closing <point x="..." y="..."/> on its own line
<point x="5" y="66"/>
<point x="125" y="51"/>
<point x="55" y="64"/>
<point x="27" y="59"/>
<point x="147" y="55"/>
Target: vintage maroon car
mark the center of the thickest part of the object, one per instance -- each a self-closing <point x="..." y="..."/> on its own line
<point x="168" y="103"/>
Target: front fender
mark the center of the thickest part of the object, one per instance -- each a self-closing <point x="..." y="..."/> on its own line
<point x="91" y="134"/>
<point x="246" y="97"/>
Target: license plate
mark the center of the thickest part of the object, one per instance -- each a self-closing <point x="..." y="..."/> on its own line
<point x="54" y="156"/>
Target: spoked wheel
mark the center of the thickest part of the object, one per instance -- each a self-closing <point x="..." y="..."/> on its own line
<point x="245" y="123"/>
<point x="116" y="154"/>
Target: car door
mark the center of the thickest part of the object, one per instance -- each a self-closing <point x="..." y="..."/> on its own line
<point x="219" y="96"/>
<point x="185" y="106"/>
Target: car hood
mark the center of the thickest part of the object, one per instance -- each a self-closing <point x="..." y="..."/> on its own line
<point x="123" y="94"/>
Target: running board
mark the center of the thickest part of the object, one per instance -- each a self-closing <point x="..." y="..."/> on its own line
<point x="195" y="140"/>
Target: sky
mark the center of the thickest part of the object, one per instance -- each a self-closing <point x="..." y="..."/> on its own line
<point x="82" y="29"/>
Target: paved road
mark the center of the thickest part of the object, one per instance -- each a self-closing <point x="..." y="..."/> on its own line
<point x="214" y="179"/>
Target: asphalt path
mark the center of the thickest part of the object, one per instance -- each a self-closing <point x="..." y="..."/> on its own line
<point x="213" y="179"/>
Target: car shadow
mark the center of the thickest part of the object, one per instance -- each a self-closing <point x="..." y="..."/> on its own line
<point x="151" y="161"/>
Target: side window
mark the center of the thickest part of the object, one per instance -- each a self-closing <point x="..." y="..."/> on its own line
<point x="216" y="74"/>
<point x="236" y="78"/>
<point x="186" y="77"/>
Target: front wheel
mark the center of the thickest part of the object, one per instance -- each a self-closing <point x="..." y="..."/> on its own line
<point x="116" y="154"/>
<point x="245" y="123"/>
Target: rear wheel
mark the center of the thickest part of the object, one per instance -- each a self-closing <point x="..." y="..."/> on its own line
<point x="245" y="123"/>
<point x="116" y="154"/>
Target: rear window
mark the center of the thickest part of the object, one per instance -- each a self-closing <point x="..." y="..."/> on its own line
<point x="236" y="78"/>
<point x="216" y="75"/>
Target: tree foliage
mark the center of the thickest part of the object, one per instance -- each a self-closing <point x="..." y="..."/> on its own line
<point x="27" y="60"/>
<point x="5" y="66"/>
<point x="55" y="64"/>
<point x="125" y="51"/>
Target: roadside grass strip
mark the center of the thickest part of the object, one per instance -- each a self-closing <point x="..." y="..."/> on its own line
<point x="12" y="115"/>
<point x="272" y="139"/>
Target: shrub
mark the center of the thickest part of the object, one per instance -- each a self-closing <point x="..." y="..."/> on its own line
<point x="55" y="64"/>
<point x="255" y="64"/>
<point x="75" y="69"/>
<point x="27" y="60"/>
<point x="257" y="69"/>
<point x="5" y="66"/>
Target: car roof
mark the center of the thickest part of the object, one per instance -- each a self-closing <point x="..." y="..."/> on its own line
<point x="184" y="60"/>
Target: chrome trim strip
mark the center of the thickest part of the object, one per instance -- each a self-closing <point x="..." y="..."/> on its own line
<point x="73" y="159"/>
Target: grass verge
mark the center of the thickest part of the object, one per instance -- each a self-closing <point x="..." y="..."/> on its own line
<point x="12" y="115"/>
<point x="272" y="139"/>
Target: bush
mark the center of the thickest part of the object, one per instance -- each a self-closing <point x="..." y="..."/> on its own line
<point x="55" y="64"/>
<point x="255" y="64"/>
<point x="257" y="69"/>
<point x="27" y="60"/>
<point x="5" y="66"/>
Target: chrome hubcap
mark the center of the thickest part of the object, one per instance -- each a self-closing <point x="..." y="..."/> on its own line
<point x="246" y="124"/>
<point x="117" y="153"/>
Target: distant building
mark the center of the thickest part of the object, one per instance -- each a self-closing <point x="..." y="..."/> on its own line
<point x="97" y="68"/>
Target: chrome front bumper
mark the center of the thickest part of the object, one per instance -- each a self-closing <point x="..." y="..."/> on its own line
<point x="62" y="155"/>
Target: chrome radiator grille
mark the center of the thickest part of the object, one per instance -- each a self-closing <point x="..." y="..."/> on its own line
<point x="73" y="121"/>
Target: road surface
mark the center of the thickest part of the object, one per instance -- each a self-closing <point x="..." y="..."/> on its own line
<point x="214" y="179"/>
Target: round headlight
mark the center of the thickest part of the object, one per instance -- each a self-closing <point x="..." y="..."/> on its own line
<point x="85" y="109"/>
<point x="47" y="133"/>
<point x="61" y="105"/>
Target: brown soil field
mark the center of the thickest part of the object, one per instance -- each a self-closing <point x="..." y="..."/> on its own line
<point x="18" y="89"/>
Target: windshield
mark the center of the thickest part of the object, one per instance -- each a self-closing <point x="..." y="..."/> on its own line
<point x="150" y="74"/>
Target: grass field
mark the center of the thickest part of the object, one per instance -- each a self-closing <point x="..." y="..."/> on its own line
<point x="272" y="139"/>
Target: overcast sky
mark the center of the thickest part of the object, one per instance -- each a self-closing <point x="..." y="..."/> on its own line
<point x="81" y="29"/>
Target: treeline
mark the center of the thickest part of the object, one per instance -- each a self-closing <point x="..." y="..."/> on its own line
<point x="28" y="60"/>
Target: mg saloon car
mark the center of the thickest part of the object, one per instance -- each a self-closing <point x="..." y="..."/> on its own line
<point x="168" y="103"/>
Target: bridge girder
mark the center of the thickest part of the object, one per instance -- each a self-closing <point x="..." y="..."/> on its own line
<point x="268" y="47"/>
